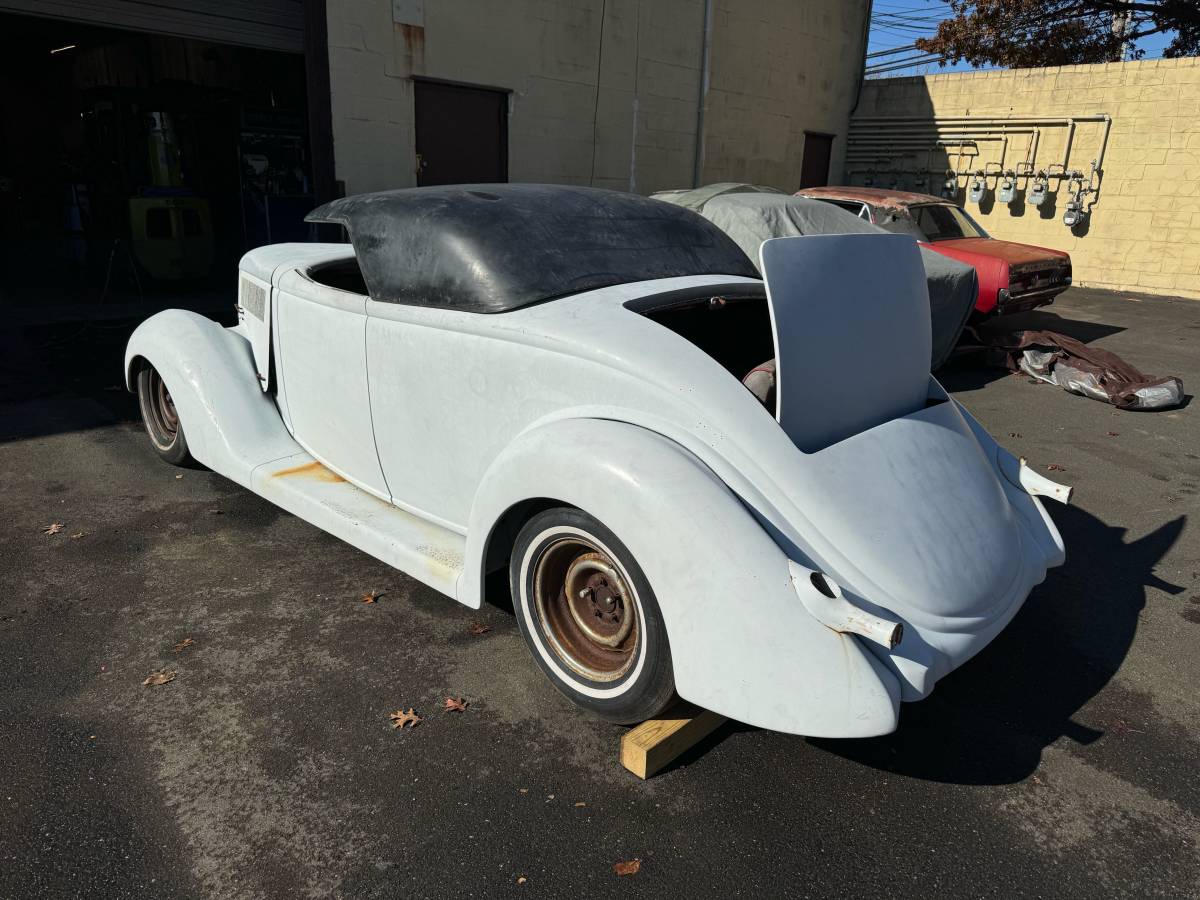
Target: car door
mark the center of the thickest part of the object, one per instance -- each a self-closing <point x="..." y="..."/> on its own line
<point x="431" y="400"/>
<point x="448" y="397"/>
<point x="322" y="363"/>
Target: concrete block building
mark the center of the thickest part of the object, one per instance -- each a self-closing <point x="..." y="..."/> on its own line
<point x="1137" y="123"/>
<point x="624" y="94"/>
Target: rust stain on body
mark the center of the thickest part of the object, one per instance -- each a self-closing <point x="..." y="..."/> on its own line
<point x="310" y="470"/>
<point x="888" y="199"/>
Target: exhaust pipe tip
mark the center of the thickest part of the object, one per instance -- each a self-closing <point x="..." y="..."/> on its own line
<point x="826" y="603"/>
<point x="1039" y="485"/>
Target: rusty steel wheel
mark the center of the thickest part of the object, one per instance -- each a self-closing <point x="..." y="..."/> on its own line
<point x="161" y="418"/>
<point x="585" y="609"/>
<point x="589" y="616"/>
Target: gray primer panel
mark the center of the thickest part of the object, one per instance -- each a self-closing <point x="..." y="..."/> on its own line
<point x="851" y="320"/>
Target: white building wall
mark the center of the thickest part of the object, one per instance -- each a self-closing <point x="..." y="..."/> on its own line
<point x="604" y="92"/>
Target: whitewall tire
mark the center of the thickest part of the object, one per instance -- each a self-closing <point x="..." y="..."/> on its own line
<point x="589" y="616"/>
<point x="161" y="419"/>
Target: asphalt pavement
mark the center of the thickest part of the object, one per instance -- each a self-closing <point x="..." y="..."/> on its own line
<point x="1060" y="762"/>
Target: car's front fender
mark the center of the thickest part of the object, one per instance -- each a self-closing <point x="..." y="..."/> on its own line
<point x="230" y="424"/>
<point x="741" y="641"/>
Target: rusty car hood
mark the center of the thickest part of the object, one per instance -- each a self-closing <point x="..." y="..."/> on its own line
<point x="874" y="196"/>
<point x="1009" y="251"/>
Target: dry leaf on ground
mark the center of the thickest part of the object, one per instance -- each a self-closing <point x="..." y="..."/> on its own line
<point x="630" y="867"/>
<point x="581" y="803"/>
<point x="183" y="645"/>
<point x="156" y="678"/>
<point x="77" y="535"/>
<point x="455" y="704"/>
<point x="371" y="596"/>
<point x="400" y="718"/>
<point x="480" y="628"/>
<point x="1055" y="467"/>
<point x="53" y="528"/>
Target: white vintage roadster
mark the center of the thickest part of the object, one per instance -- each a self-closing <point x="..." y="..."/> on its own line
<point x="548" y="380"/>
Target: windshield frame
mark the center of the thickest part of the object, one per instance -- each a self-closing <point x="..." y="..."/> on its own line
<point x="958" y="212"/>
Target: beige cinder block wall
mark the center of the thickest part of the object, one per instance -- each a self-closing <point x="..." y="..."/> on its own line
<point x="604" y="92"/>
<point x="1141" y="233"/>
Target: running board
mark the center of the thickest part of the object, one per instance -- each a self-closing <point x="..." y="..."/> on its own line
<point x="300" y="484"/>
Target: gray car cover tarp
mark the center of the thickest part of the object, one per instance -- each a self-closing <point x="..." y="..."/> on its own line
<point x="751" y="215"/>
<point x="695" y="198"/>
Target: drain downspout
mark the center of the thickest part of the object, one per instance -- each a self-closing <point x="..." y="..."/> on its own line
<point x="862" y="72"/>
<point x="702" y="100"/>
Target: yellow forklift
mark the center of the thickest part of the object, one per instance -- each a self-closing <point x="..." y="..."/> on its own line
<point x="170" y="229"/>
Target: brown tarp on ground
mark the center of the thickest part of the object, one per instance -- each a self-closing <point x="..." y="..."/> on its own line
<point x="1076" y="367"/>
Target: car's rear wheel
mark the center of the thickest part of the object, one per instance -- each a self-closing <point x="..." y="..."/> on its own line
<point x="589" y="616"/>
<point x="162" y="419"/>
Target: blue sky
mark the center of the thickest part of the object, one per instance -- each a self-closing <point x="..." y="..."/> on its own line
<point x="897" y="23"/>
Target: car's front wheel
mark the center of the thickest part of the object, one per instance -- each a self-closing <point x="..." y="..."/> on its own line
<point x="161" y="419"/>
<point x="589" y="616"/>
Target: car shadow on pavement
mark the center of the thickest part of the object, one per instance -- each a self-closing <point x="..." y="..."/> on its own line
<point x="989" y="722"/>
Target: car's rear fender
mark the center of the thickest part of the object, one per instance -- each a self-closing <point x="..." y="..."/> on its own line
<point x="741" y="640"/>
<point x="230" y="424"/>
<point x="991" y="271"/>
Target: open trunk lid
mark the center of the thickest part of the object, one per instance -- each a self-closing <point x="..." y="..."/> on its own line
<point x="895" y="482"/>
<point x="850" y="320"/>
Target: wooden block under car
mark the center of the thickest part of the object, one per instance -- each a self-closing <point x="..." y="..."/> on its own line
<point x="649" y="747"/>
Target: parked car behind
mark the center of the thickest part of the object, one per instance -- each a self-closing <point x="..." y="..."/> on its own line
<point x="1012" y="277"/>
<point x="751" y="214"/>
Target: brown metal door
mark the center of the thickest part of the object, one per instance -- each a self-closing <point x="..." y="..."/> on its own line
<point x="462" y="134"/>
<point x="814" y="168"/>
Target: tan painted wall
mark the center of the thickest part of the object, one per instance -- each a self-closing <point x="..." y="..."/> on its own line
<point x="1142" y="231"/>
<point x="777" y="68"/>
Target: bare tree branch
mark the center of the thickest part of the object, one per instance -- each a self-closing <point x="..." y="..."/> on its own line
<point x="1031" y="33"/>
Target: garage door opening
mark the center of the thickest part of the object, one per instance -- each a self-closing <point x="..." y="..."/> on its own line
<point x="136" y="164"/>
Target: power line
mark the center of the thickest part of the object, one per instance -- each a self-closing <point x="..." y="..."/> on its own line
<point x="905" y="63"/>
<point x="913" y="62"/>
<point x="892" y="17"/>
<point x="892" y="51"/>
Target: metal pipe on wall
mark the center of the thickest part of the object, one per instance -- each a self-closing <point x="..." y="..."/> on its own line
<point x="896" y="131"/>
<point x="923" y="132"/>
<point x="1016" y="120"/>
<point x="702" y="101"/>
<point x="918" y="141"/>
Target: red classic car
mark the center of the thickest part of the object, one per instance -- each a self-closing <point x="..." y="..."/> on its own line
<point x="1012" y="277"/>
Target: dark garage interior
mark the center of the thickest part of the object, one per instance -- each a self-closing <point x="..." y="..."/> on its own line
<point x="136" y="165"/>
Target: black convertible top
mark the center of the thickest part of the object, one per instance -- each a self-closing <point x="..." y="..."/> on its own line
<point x="496" y="247"/>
